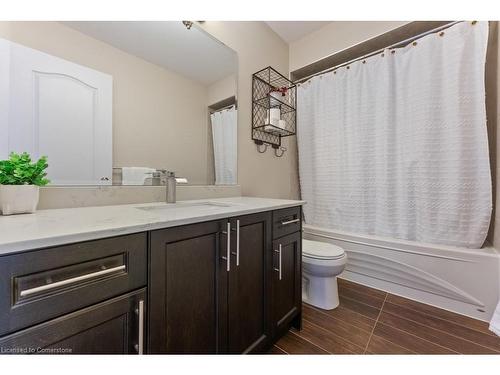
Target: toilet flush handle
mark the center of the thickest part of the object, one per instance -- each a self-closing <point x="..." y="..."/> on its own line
<point x="279" y="261"/>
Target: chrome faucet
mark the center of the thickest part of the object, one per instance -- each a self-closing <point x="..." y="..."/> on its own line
<point x="167" y="178"/>
<point x="171" y="185"/>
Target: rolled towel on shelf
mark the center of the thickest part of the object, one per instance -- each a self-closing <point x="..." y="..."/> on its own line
<point x="495" y="321"/>
<point x="136" y="175"/>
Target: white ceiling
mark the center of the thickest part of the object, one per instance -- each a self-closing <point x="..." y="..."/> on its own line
<point x="191" y="53"/>
<point x="290" y="31"/>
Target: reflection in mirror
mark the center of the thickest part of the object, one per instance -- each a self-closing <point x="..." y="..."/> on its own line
<point x="116" y="102"/>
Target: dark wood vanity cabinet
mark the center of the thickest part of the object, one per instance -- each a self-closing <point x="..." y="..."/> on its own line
<point x="225" y="286"/>
<point x="111" y="327"/>
<point x="249" y="326"/>
<point x="40" y="285"/>
<point x="287" y="282"/>
<point x="186" y="288"/>
<point x="209" y="286"/>
<point x="286" y="297"/>
<point x="88" y="297"/>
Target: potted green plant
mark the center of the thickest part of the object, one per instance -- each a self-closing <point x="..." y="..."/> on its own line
<point x="20" y="181"/>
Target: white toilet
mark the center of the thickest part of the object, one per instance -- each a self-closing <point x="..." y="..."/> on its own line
<point x="321" y="264"/>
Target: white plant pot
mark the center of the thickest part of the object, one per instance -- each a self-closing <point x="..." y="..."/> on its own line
<point x="18" y="199"/>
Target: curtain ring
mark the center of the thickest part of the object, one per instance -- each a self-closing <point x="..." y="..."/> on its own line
<point x="414" y="43"/>
<point x="259" y="148"/>
<point x="441" y="33"/>
<point x="393" y="52"/>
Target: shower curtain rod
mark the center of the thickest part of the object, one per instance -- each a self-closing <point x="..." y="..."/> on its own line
<point x="223" y="108"/>
<point x="392" y="46"/>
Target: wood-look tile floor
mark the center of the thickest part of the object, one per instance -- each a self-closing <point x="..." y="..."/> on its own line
<point x="370" y="321"/>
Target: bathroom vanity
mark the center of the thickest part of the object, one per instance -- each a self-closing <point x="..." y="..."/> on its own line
<point x="213" y="276"/>
<point x="218" y="276"/>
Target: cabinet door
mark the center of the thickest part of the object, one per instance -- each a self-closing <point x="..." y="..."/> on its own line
<point x="287" y="281"/>
<point x="111" y="327"/>
<point x="38" y="286"/>
<point x="249" y="326"/>
<point x="184" y="289"/>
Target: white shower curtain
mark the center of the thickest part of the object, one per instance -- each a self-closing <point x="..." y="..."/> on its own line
<point x="397" y="146"/>
<point x="225" y="142"/>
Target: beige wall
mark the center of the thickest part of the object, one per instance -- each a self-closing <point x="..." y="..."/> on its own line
<point x="335" y="37"/>
<point x="85" y="196"/>
<point x="258" y="46"/>
<point x="159" y="117"/>
<point x="222" y="89"/>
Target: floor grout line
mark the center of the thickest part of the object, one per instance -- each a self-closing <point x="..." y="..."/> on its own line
<point x="280" y="348"/>
<point x="310" y="342"/>
<point x="365" y="293"/>
<point x="393" y="343"/>
<point x="336" y="318"/>
<point x="376" y="322"/>
<point x="488" y="333"/>
<point x="353" y="298"/>
<point x="408" y="333"/>
<point x="444" y="320"/>
<point x="333" y="334"/>
<point x="420" y="338"/>
<point x="441" y="331"/>
<point x="365" y="317"/>
<point x="361" y="303"/>
<point x="430" y="316"/>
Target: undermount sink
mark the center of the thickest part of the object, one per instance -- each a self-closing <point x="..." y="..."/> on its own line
<point x="169" y="206"/>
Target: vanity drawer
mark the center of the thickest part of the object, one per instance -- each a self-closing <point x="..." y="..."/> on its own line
<point x="39" y="285"/>
<point x="287" y="221"/>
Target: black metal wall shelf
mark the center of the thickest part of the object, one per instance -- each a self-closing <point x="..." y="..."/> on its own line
<point x="271" y="91"/>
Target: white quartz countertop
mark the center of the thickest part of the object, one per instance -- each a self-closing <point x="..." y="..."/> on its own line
<point x="68" y="225"/>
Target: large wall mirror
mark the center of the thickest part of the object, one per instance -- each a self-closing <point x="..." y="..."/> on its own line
<point x="110" y="103"/>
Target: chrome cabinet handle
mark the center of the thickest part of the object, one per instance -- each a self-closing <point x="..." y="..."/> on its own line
<point x="227" y="258"/>
<point x="27" y="292"/>
<point x="237" y="253"/>
<point x="290" y="222"/>
<point x="140" y="345"/>
<point x="279" y="261"/>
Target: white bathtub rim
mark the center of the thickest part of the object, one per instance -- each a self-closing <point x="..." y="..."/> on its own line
<point x="405" y="253"/>
<point x="402" y="245"/>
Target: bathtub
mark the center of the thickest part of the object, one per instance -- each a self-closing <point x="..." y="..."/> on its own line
<point x="465" y="281"/>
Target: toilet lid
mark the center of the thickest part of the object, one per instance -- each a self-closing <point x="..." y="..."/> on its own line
<point x="321" y="250"/>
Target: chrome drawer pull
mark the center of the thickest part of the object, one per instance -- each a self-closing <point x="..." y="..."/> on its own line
<point x="279" y="262"/>
<point x="237" y="242"/>
<point x="237" y="253"/>
<point x="290" y="222"/>
<point x="73" y="280"/>
<point x="227" y="258"/>
<point x="140" y="311"/>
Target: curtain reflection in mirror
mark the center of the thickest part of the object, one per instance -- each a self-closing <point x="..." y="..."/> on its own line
<point x="224" y="135"/>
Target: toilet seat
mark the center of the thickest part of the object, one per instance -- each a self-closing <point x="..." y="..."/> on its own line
<point x="321" y="250"/>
